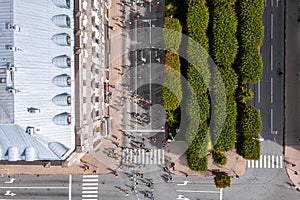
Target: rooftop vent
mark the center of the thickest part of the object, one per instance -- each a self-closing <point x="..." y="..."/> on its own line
<point x="63" y="21"/>
<point x="30" y="130"/>
<point x="12" y="90"/>
<point x="30" y="154"/>
<point x="62" y="3"/>
<point x="13" y="27"/>
<point x="62" y="39"/>
<point x="13" y="154"/>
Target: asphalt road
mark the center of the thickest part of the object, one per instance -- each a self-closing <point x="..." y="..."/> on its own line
<point x="41" y="187"/>
<point x="269" y="92"/>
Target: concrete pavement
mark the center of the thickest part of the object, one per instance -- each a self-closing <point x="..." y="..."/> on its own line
<point x="292" y="85"/>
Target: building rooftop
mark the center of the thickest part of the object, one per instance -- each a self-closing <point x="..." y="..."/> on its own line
<point x="37" y="112"/>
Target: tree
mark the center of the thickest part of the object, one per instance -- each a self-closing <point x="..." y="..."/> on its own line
<point x="172" y="34"/>
<point x="219" y="158"/>
<point x="222" y="180"/>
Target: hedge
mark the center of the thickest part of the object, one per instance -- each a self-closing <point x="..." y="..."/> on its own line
<point x="198" y="109"/>
<point x="250" y="67"/>
<point x="172" y="89"/>
<point x="219" y="158"/>
<point x="222" y="180"/>
<point x="224" y="44"/>
<point x="172" y="40"/>
<point x="230" y="79"/>
<point x="197" y="22"/>
<point x="249" y="126"/>
<point x="249" y="123"/>
<point x="197" y="151"/>
<point x="227" y="138"/>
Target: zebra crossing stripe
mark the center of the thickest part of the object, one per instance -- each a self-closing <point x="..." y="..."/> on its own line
<point x="90" y="176"/>
<point x="158" y="156"/>
<point x="256" y="163"/>
<point x="269" y="159"/>
<point x="277" y="163"/>
<point x="147" y="157"/>
<point x="139" y="156"/>
<point x="252" y="162"/>
<point x="90" y="192"/>
<point x="90" y="180"/>
<point x="248" y="162"/>
<point x="155" y="156"/>
<point x="273" y="160"/>
<point x="280" y="161"/>
<point x="265" y="161"/>
<point x="163" y="157"/>
<point x="143" y="156"/>
<point x="260" y="161"/>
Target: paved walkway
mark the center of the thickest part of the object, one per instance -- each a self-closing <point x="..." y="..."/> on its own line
<point x="292" y="85"/>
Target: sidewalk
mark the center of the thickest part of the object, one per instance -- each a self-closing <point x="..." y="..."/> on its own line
<point x="292" y="88"/>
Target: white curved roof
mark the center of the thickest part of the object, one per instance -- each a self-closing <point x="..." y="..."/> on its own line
<point x="62" y="39"/>
<point x="59" y="149"/>
<point x="62" y="119"/>
<point x="62" y="61"/>
<point x="61" y="80"/>
<point x="62" y="3"/>
<point x="33" y="77"/>
<point x="61" y="20"/>
<point x="61" y="99"/>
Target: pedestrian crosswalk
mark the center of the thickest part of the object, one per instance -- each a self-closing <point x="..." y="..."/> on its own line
<point x="266" y="161"/>
<point x="90" y="187"/>
<point x="141" y="156"/>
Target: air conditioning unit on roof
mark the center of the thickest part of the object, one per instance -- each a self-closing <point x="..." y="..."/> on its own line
<point x="12" y="68"/>
<point x="15" y="27"/>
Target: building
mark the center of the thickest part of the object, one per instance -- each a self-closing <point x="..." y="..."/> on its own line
<point x="42" y="81"/>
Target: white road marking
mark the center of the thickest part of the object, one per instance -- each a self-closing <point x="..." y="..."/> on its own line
<point x="273" y="160"/>
<point x="272" y="91"/>
<point x="89" y="188"/>
<point x="265" y="161"/>
<point x="146" y="131"/>
<point x="280" y="161"/>
<point x="269" y="160"/>
<point x="10" y="181"/>
<point x="90" y="176"/>
<point x="89" y="195"/>
<point x="252" y="161"/>
<point x="249" y="163"/>
<point x="221" y="193"/>
<point x="70" y="186"/>
<point x="184" y="183"/>
<point x="266" y="3"/>
<point x="256" y="163"/>
<point x="89" y="184"/>
<point x="258" y="95"/>
<point x="272" y="3"/>
<point x="260" y="161"/>
<point x="90" y="180"/>
<point x="272" y="27"/>
<point x="271" y="59"/>
<point x="90" y="192"/>
<point x="198" y="191"/>
<point x="277" y="162"/>
<point x="89" y="199"/>
<point x="271" y="120"/>
<point x="23" y="187"/>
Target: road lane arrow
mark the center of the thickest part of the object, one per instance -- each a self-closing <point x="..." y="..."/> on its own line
<point x="181" y="197"/>
<point x="9" y="193"/>
<point x="10" y="181"/>
<point x="184" y="183"/>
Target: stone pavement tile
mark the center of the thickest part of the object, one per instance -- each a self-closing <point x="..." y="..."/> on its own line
<point x="292" y="163"/>
<point x="235" y="165"/>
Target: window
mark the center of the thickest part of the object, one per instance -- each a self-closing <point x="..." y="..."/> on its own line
<point x="2" y="70"/>
<point x="2" y="80"/>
